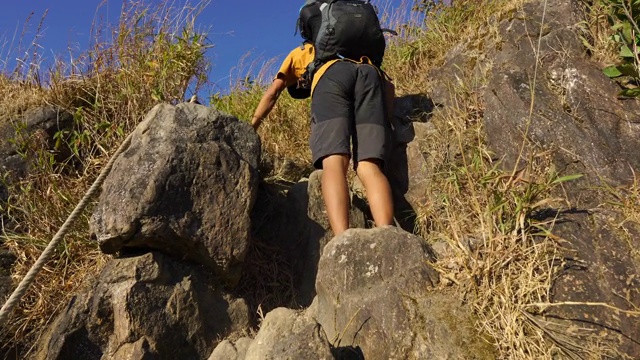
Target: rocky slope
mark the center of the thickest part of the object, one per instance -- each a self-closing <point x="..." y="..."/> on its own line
<point x="184" y="204"/>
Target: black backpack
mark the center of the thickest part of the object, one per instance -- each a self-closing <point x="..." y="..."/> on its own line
<point x="338" y="29"/>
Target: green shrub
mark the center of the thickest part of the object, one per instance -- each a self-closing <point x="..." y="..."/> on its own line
<point x="624" y="17"/>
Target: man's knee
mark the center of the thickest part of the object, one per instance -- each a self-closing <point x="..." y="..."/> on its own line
<point x="336" y="162"/>
<point x="369" y="167"/>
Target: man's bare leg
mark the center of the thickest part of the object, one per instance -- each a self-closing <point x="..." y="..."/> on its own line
<point x="378" y="192"/>
<point x="335" y="191"/>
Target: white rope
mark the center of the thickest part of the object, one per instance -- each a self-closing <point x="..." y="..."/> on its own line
<point x="46" y="255"/>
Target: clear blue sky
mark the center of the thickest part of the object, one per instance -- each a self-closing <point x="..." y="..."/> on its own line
<point x="263" y="28"/>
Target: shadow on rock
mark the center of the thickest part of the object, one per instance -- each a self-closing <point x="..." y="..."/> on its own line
<point x="291" y="229"/>
<point x="347" y="353"/>
<point x="409" y="109"/>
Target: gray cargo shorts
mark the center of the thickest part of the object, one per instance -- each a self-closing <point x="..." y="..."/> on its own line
<point x="348" y="115"/>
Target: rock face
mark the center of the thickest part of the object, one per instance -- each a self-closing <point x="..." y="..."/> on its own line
<point x="576" y="113"/>
<point x="602" y="266"/>
<point x="146" y="307"/>
<point x="186" y="186"/>
<point x="375" y="293"/>
<point x="579" y="121"/>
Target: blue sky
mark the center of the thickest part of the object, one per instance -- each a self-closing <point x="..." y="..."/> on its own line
<point x="264" y="29"/>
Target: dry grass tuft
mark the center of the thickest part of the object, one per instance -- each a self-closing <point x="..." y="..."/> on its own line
<point x="267" y="282"/>
<point x="16" y="98"/>
<point x="429" y="35"/>
<point x="498" y="253"/>
<point x="597" y="32"/>
<point x="627" y="199"/>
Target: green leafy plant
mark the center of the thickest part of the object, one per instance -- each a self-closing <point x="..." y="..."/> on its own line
<point x="624" y="18"/>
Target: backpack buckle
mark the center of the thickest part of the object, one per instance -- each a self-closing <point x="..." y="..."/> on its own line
<point x="304" y="81"/>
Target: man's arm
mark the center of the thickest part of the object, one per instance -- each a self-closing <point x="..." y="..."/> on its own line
<point x="267" y="102"/>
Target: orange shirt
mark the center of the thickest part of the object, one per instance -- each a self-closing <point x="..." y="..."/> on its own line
<point x="295" y="64"/>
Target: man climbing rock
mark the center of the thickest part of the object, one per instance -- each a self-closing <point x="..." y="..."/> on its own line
<point x="347" y="102"/>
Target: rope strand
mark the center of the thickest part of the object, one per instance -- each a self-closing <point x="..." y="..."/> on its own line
<point x="46" y="255"/>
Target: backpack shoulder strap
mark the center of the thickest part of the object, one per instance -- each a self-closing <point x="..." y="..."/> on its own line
<point x="390" y="31"/>
<point x="313" y="66"/>
<point x="327" y="21"/>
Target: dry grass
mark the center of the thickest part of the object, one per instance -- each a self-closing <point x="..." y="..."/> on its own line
<point x="285" y="131"/>
<point x="18" y="97"/>
<point x="626" y="201"/>
<point x="500" y="254"/>
<point x="424" y="46"/>
<point x="154" y="55"/>
<point x="267" y="282"/>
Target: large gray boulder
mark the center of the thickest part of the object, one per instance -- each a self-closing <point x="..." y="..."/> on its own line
<point x="186" y="186"/>
<point x="287" y="334"/>
<point x="231" y="350"/>
<point x="376" y="293"/>
<point x="146" y="307"/>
